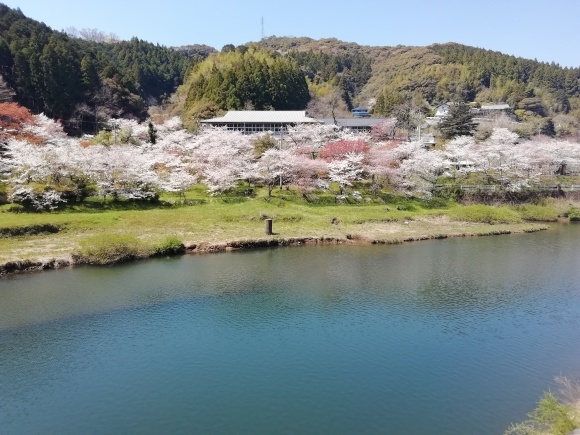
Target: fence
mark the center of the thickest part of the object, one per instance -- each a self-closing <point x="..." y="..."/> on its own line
<point x="495" y="187"/>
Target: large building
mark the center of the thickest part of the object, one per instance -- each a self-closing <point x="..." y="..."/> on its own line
<point x="257" y="121"/>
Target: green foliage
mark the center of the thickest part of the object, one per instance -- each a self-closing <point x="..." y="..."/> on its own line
<point x="3" y="193"/>
<point x="350" y="70"/>
<point x="531" y="212"/>
<point x="29" y="230"/>
<point x="458" y="122"/>
<point x="54" y="73"/>
<point x="485" y="214"/>
<point x="551" y="412"/>
<point x="109" y="249"/>
<point x="408" y="117"/>
<point x="151" y="133"/>
<point x="171" y="245"/>
<point x="263" y="143"/>
<point x="574" y="215"/>
<point x="435" y="203"/>
<point x="514" y="79"/>
<point x="233" y="80"/>
<point x="549" y="417"/>
<point x="450" y="191"/>
<point x="104" y="137"/>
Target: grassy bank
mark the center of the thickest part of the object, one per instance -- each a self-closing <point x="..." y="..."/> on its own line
<point x="216" y="221"/>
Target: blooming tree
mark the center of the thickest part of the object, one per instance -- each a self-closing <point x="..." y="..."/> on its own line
<point x="345" y="171"/>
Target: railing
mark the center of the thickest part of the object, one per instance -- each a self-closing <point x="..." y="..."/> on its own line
<point x="495" y="187"/>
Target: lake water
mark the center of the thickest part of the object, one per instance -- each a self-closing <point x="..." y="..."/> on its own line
<point x="441" y="337"/>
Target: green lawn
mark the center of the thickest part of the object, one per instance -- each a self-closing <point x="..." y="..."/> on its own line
<point x="234" y="217"/>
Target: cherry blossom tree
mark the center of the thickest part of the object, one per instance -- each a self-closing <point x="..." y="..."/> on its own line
<point x="345" y="171"/>
<point x="223" y="158"/>
<point x="339" y="149"/>
<point x="384" y="130"/>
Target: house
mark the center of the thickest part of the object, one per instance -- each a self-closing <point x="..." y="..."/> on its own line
<point x="495" y="107"/>
<point x="360" y="112"/>
<point x="442" y="110"/>
<point x="258" y="121"/>
<point x="487" y="110"/>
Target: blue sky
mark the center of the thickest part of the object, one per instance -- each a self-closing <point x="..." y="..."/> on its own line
<point x="547" y="30"/>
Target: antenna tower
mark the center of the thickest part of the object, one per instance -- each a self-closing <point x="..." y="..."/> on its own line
<point x="262" y="27"/>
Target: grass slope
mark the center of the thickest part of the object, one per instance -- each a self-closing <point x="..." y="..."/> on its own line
<point x="219" y="220"/>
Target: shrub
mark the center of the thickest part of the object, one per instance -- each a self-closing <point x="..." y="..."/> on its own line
<point x="35" y="200"/>
<point x="573" y="213"/>
<point x="109" y="249"/>
<point x="452" y="192"/>
<point x="532" y="212"/>
<point x="170" y="246"/>
<point x="3" y="193"/>
<point x="486" y="214"/>
<point x="549" y="417"/>
<point x="29" y="230"/>
<point x="435" y="203"/>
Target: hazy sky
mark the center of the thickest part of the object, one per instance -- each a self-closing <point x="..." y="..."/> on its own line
<point x="547" y="30"/>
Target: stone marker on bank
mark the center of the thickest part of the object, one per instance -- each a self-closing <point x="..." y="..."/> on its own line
<point x="268" y="227"/>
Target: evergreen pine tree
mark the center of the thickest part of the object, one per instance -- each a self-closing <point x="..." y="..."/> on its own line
<point x="458" y="122"/>
<point x="151" y="133"/>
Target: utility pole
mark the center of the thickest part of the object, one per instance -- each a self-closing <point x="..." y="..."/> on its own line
<point x="281" y="152"/>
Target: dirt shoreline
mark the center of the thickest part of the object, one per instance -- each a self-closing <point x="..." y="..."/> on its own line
<point x="29" y="266"/>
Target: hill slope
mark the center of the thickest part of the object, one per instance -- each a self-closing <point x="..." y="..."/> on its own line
<point x="433" y="75"/>
<point x="82" y="81"/>
<point x="78" y="80"/>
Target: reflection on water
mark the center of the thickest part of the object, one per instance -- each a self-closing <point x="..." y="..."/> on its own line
<point x="452" y="336"/>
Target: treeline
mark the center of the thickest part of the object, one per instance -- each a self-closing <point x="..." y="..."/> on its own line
<point x="81" y="81"/>
<point x="516" y="78"/>
<point x="349" y="71"/>
<point x="429" y="76"/>
<point x="244" y="78"/>
<point x="454" y="72"/>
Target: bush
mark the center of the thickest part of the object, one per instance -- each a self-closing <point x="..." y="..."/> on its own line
<point x="3" y="194"/>
<point x="532" y="212"/>
<point x="170" y="246"/>
<point x="36" y="200"/>
<point x="486" y="214"/>
<point x="435" y="203"/>
<point x="573" y="213"/>
<point x="549" y="417"/>
<point x="109" y="249"/>
<point x="451" y="192"/>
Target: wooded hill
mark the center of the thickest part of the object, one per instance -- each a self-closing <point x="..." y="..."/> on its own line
<point x="244" y="78"/>
<point x="81" y="81"/>
<point x="432" y="75"/>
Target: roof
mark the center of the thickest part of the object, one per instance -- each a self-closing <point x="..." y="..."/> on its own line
<point x="355" y="122"/>
<point x="263" y="116"/>
<point x="503" y="106"/>
<point x="358" y="109"/>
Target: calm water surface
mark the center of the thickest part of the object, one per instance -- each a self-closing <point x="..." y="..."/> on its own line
<point x="446" y="337"/>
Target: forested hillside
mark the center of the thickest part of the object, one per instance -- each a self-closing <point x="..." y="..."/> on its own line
<point x="244" y="78"/>
<point x="428" y="76"/>
<point x="80" y="80"/>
